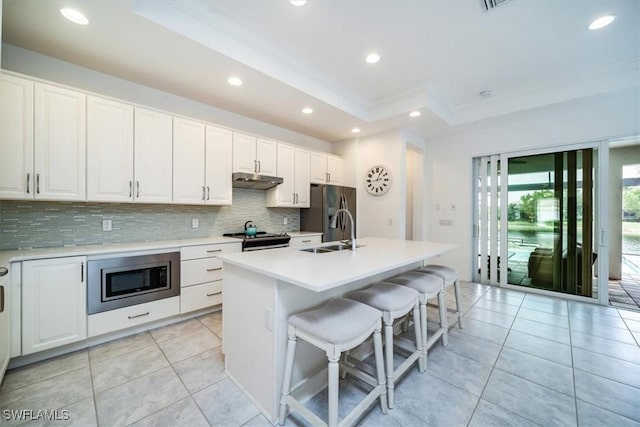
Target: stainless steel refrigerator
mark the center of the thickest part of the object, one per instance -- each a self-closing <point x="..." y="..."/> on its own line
<point x="321" y="216"/>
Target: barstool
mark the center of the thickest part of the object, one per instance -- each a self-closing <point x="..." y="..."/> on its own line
<point x="428" y="286"/>
<point x="338" y="325"/>
<point x="394" y="302"/>
<point x="450" y="277"/>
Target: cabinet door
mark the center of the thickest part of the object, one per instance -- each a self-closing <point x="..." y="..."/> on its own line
<point x="244" y="153"/>
<point x="54" y="303"/>
<point x="219" y="158"/>
<point x="286" y="170"/>
<point x="153" y="156"/>
<point x="334" y="169"/>
<point x="16" y="138"/>
<point x="60" y="143"/>
<point x="109" y="150"/>
<point x="188" y="162"/>
<point x="267" y="154"/>
<point x="5" y="331"/>
<point x="301" y="178"/>
<point x="318" y="168"/>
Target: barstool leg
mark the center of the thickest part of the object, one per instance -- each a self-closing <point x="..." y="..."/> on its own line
<point x="334" y="372"/>
<point x="286" y="383"/>
<point x="377" y="350"/>
<point x="444" y="323"/>
<point x="423" y="325"/>
<point x="456" y="291"/>
<point x="388" y="356"/>
<point x="422" y="360"/>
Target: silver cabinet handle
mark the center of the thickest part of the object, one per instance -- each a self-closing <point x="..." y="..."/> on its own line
<point x="208" y="192"/>
<point x="203" y="192"/>
<point x="215" y="293"/>
<point x="329" y="173"/>
<point x="137" y="189"/>
<point x="306" y="241"/>
<point x="214" y="250"/>
<point x="28" y="183"/>
<point x="82" y="272"/>
<point x="1" y="299"/>
<point x="297" y="198"/>
<point x="255" y="166"/>
<point x="38" y="183"/>
<point x="3" y="271"/>
<point x="259" y="166"/>
<point x="138" y="315"/>
<point x="130" y="189"/>
<point x="214" y="269"/>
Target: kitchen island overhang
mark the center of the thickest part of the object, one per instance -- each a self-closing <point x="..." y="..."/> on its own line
<point x="262" y="289"/>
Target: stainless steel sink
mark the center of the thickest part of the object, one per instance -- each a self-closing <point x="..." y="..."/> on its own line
<point x="327" y="249"/>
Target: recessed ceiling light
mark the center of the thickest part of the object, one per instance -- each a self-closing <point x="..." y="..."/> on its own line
<point x="74" y="16"/>
<point x="298" y="2"/>
<point x="355" y="130"/>
<point x="372" y="58"/>
<point x="235" y="81"/>
<point x="415" y="113"/>
<point x="307" y="110"/>
<point x="484" y="94"/>
<point x="602" y="22"/>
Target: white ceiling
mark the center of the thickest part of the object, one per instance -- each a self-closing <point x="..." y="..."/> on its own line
<point x="436" y="55"/>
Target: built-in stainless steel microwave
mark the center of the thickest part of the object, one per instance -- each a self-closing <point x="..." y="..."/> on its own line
<point x="128" y="280"/>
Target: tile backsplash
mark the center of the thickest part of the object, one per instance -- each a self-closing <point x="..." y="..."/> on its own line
<point x="29" y="224"/>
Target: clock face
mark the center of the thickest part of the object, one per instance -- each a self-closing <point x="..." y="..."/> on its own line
<point x="378" y="180"/>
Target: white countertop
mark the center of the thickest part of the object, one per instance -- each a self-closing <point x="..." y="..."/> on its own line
<point x="27" y="254"/>
<point x="322" y="271"/>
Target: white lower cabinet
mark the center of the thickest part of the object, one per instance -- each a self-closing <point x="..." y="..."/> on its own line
<point x="201" y="275"/>
<point x="5" y="332"/>
<point x="54" y="303"/>
<point x="123" y="318"/>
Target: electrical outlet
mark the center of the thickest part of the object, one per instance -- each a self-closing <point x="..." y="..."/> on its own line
<point x="195" y="223"/>
<point x="285" y="220"/>
<point x="107" y="225"/>
<point x="268" y="318"/>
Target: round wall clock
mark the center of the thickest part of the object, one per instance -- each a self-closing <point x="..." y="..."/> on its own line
<point x="378" y="180"/>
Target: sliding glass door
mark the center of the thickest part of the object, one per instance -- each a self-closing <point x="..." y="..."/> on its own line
<point x="537" y="215"/>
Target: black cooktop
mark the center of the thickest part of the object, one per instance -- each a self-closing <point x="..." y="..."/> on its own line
<point x="259" y="235"/>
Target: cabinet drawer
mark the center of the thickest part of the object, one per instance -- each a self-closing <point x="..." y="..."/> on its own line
<point x="198" y="271"/>
<point x="127" y="317"/>
<point x="207" y="251"/>
<point x="298" y="242"/>
<point x="200" y="296"/>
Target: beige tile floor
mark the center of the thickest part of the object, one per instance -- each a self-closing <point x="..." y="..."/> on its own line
<point x="521" y="360"/>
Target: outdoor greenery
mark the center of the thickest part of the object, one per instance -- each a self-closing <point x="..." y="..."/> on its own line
<point x="631" y="201"/>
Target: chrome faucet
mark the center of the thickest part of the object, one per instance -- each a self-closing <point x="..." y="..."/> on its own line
<point x="353" y="236"/>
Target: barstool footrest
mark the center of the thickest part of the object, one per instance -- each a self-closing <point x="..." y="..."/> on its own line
<point x="433" y="338"/>
<point x="356" y="371"/>
<point x="296" y="406"/>
<point x="362" y="407"/>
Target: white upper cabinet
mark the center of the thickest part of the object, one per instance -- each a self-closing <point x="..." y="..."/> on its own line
<point x="188" y="161"/>
<point x="60" y="143"/>
<point x="202" y="157"/>
<point x="16" y="138"/>
<point x="293" y="168"/>
<point x="254" y="155"/>
<point x="109" y="150"/>
<point x="153" y="154"/>
<point x="326" y="169"/>
<point x="219" y="158"/>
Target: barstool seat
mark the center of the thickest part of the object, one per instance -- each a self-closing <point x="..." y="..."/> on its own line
<point x="428" y="286"/>
<point x="394" y="302"/>
<point x="338" y="325"/>
<point x="450" y="277"/>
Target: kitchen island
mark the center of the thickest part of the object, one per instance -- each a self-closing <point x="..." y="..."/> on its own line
<point x="262" y="289"/>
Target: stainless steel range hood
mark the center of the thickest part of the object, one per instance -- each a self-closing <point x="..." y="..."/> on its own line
<point x="255" y="181"/>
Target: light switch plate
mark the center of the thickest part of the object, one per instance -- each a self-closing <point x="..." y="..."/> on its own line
<point x="195" y="223"/>
<point x="107" y="225"/>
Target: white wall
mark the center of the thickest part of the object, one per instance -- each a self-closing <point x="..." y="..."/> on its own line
<point x="450" y="159"/>
<point x="48" y="68"/>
